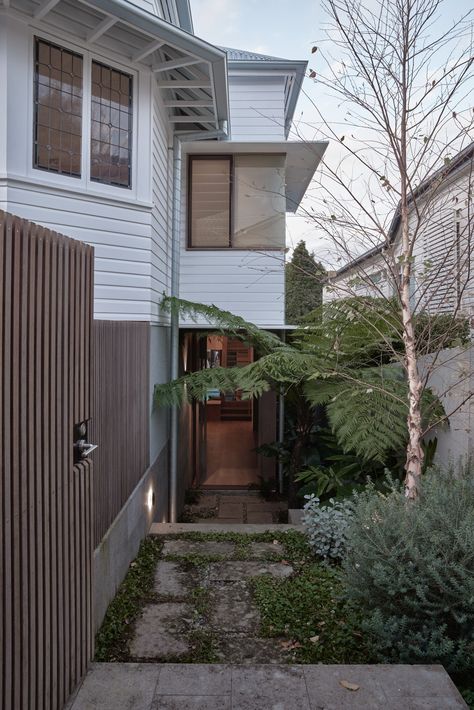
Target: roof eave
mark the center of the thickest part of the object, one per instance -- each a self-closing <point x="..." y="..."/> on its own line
<point x="147" y="22"/>
<point x="302" y="160"/>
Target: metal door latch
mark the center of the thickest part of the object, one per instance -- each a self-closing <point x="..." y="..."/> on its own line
<point x="82" y="448"/>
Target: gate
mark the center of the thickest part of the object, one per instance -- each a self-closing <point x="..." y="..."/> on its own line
<point x="46" y="283"/>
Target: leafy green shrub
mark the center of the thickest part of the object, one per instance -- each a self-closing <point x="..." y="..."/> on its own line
<point x="327" y="526"/>
<point x="411" y="567"/>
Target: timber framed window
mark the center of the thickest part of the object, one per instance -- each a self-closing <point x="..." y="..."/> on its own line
<point x="64" y="137"/>
<point x="236" y="201"/>
<point x="58" y="90"/>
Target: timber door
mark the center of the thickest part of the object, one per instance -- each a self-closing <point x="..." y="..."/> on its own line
<point x="46" y="283"/>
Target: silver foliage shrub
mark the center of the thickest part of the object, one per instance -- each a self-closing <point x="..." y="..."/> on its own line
<point x="326" y="526"/>
<point x="410" y="565"/>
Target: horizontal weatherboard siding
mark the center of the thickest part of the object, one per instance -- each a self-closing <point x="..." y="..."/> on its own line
<point x="120" y="234"/>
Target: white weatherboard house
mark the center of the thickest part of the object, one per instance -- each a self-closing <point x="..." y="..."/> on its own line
<point x="442" y="282"/>
<point x="442" y="279"/>
<point x="170" y="156"/>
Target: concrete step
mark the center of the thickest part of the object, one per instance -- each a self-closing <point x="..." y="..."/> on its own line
<point x="152" y="686"/>
<point x="173" y="528"/>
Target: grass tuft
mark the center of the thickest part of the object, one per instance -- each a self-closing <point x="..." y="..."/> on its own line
<point x="135" y="591"/>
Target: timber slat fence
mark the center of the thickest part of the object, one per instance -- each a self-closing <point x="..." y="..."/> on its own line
<point x="46" y="519"/>
<point x="120" y="415"/>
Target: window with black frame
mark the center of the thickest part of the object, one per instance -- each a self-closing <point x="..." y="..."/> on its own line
<point x="111" y="126"/>
<point x="58" y="109"/>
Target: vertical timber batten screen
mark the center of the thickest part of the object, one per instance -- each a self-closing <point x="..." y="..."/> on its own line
<point x="46" y="283"/>
<point x="120" y="415"/>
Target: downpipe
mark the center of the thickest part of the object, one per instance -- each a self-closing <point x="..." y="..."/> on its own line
<point x="219" y="134"/>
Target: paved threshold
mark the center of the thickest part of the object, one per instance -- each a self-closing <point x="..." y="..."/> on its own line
<point x="148" y="686"/>
<point x="172" y="528"/>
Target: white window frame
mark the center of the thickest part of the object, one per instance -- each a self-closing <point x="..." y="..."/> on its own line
<point x="84" y="182"/>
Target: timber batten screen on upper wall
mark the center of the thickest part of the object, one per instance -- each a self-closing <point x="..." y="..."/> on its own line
<point x="190" y="73"/>
<point x="236" y="201"/>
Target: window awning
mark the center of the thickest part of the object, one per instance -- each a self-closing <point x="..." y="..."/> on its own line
<point x="302" y="160"/>
<point x="190" y="73"/>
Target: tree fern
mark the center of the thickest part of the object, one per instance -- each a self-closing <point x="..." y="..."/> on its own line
<point x="339" y="359"/>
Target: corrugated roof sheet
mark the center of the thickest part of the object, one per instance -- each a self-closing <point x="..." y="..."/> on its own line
<point x="241" y="55"/>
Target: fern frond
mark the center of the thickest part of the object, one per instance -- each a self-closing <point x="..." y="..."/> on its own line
<point x="224" y="321"/>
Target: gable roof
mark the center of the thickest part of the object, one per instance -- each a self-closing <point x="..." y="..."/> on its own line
<point x="455" y="164"/>
<point x="242" y="55"/>
<point x="293" y="70"/>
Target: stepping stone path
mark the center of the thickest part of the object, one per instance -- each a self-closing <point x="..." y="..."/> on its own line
<point x="169" y="627"/>
<point x="235" y="509"/>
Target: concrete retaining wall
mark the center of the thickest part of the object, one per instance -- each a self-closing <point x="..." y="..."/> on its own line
<point x="453" y="380"/>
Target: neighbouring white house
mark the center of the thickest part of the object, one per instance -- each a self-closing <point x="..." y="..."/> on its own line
<point x="121" y="128"/>
<point x="442" y="282"/>
<point x="442" y="219"/>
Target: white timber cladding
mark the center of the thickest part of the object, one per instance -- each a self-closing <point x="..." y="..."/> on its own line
<point x="162" y="205"/>
<point x="257" y="106"/>
<point x="153" y="6"/>
<point x="443" y="261"/>
<point x="248" y="283"/>
<point x="127" y="234"/>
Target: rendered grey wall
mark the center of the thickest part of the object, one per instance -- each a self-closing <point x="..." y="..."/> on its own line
<point x="453" y="381"/>
<point x="159" y="373"/>
<point x="122" y="540"/>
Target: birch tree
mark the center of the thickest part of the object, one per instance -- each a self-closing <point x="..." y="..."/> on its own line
<point x="404" y="82"/>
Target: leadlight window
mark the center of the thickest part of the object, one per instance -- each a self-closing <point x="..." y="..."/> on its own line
<point x="58" y="109"/>
<point x="111" y="126"/>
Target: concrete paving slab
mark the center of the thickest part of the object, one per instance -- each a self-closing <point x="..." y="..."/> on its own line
<point x="231" y="510"/>
<point x="394" y="687"/>
<point x="259" y="518"/>
<point x="267" y="506"/>
<point x="159" y="631"/>
<point x="123" y="686"/>
<point x="190" y="547"/>
<point x="264" y="550"/>
<point x="232" y="609"/>
<point x="170" y="579"/>
<point x="248" y="650"/>
<point x="239" y="498"/>
<point x="118" y="686"/>
<point x="191" y="702"/>
<point x="236" y="571"/>
<point x="195" y="679"/>
<point x="269" y="687"/>
<point x="175" y="528"/>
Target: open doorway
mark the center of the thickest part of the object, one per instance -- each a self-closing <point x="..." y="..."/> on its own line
<point x="231" y="428"/>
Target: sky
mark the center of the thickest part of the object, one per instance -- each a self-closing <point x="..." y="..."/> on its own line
<point x="288" y="29"/>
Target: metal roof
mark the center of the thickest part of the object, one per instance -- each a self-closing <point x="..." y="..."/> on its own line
<point x="242" y="55"/>
<point x="190" y="73"/>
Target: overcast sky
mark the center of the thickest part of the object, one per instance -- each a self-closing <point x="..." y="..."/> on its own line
<point x="288" y="29"/>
